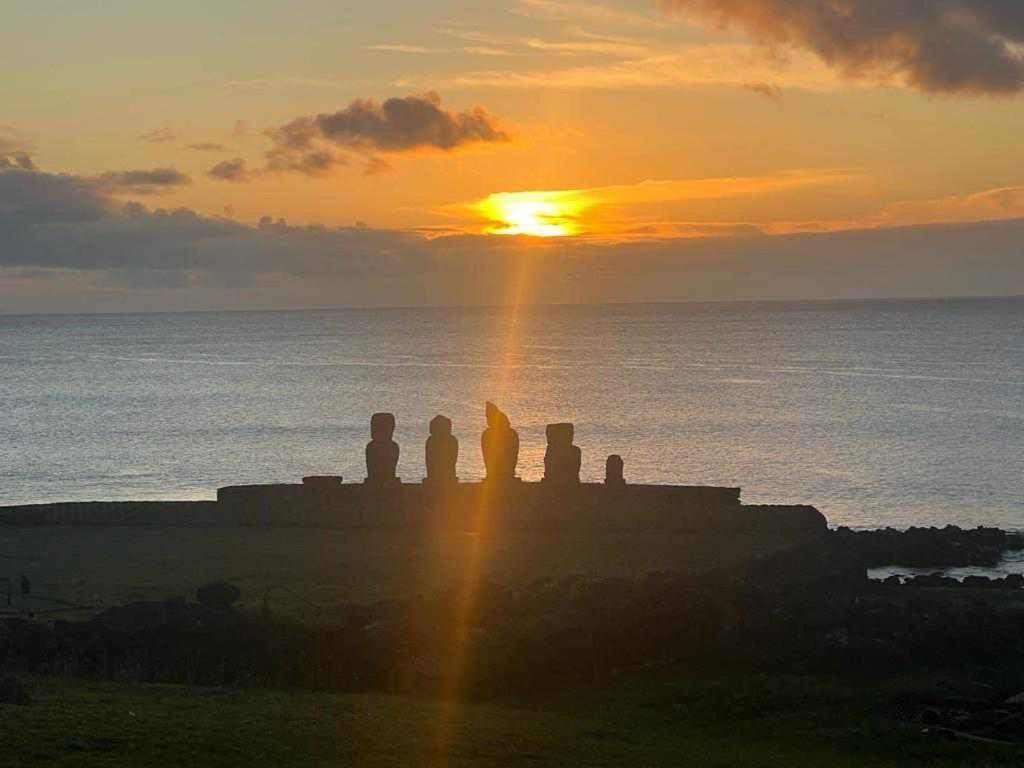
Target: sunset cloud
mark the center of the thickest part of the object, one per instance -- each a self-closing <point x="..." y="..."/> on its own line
<point x="207" y="146"/>
<point x="402" y="48"/>
<point x="393" y="125"/>
<point x="230" y="170"/>
<point x="309" y="144"/>
<point x="308" y="162"/>
<point x="141" y="182"/>
<point x="941" y="46"/>
<point x="987" y="205"/>
<point x="14" y="153"/>
<point x="165" y="135"/>
<point x="719" y="64"/>
<point x="582" y="10"/>
<point x="611" y="211"/>
<point x="14" y="158"/>
<point x="66" y="236"/>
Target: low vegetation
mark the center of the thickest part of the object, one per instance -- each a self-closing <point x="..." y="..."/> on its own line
<point x="667" y="717"/>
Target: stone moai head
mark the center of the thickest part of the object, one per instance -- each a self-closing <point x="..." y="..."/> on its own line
<point x="440" y="426"/>
<point x="561" y="459"/>
<point x="613" y="470"/>
<point x="494" y="415"/>
<point x="382" y="426"/>
<point x="560" y="435"/>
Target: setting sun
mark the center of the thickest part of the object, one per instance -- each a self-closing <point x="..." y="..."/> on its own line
<point x="538" y="214"/>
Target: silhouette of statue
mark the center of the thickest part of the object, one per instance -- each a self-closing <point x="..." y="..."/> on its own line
<point x="381" y="451"/>
<point x="500" y="445"/>
<point x="561" y="459"/>
<point x="442" y="451"/>
<point x="613" y="468"/>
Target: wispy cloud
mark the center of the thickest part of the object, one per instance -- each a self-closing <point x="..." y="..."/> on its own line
<point x="734" y="65"/>
<point x="403" y="48"/>
<point x="986" y="205"/>
<point x="598" y="13"/>
<point x="139" y="182"/>
<point x="484" y="50"/>
<point x="207" y="146"/>
<point x="588" y="47"/>
<point x="165" y="135"/>
<point x="623" y="210"/>
<point x="231" y="170"/>
<point x="284" y="82"/>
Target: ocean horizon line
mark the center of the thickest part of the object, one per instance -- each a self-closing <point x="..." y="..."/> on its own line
<point x="961" y="298"/>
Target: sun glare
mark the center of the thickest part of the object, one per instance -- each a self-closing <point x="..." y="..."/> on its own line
<point x="537" y="214"/>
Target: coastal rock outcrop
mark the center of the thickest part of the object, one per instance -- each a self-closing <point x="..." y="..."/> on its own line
<point x="930" y="547"/>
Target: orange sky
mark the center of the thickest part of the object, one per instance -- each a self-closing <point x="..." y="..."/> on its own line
<point x="591" y="95"/>
<point x="601" y="121"/>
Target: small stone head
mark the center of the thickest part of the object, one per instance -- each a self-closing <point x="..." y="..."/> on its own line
<point x="613" y="470"/>
<point x="560" y="435"/>
<point x="440" y="426"/>
<point x="382" y="426"/>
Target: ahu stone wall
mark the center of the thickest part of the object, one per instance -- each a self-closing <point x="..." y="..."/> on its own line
<point x="517" y="506"/>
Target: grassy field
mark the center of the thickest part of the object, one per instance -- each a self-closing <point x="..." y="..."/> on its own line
<point x="306" y="571"/>
<point x="661" y="720"/>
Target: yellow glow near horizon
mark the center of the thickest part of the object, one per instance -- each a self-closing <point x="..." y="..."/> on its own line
<point x="537" y="214"/>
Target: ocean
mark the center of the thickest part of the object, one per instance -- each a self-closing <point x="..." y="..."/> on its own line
<point x="877" y="412"/>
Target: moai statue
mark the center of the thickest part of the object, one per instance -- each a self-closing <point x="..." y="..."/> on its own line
<point x="613" y="468"/>
<point x="561" y="459"/>
<point x="381" y="451"/>
<point x="442" y="452"/>
<point x="500" y="445"/>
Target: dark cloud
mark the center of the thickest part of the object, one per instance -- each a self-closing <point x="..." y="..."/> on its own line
<point x="207" y="146"/>
<point x="311" y="162"/>
<point x="941" y="46"/>
<point x="231" y="170"/>
<point x="29" y="199"/>
<point x="402" y="124"/>
<point x="142" y="182"/>
<point x="366" y="126"/>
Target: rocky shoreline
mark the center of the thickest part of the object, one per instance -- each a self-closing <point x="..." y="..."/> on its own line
<point x="947" y="547"/>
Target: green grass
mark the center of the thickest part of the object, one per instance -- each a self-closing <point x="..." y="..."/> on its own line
<point x="659" y="720"/>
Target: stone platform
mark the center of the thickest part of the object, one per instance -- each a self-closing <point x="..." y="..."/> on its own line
<point x="462" y="506"/>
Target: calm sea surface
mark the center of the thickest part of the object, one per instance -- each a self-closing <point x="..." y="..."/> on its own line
<point x="879" y="413"/>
